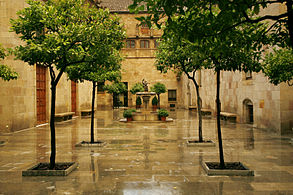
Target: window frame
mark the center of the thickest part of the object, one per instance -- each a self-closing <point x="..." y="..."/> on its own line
<point x="129" y="44"/>
<point x="144" y="44"/>
<point x="171" y="93"/>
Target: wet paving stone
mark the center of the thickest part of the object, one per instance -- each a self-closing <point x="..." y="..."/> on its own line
<point x="146" y="158"/>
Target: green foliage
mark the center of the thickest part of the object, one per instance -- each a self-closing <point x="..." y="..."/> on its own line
<point x="132" y="110"/>
<point x="155" y="101"/>
<point x="137" y="87"/>
<point x="115" y="88"/>
<point x="180" y="55"/>
<point x="72" y="37"/>
<point x="138" y="101"/>
<point x="6" y="73"/>
<point x="67" y="33"/>
<point x="159" y="88"/>
<point x="128" y="113"/>
<point x="233" y="14"/>
<point x="229" y="29"/>
<point x="278" y="66"/>
<point x="163" y="113"/>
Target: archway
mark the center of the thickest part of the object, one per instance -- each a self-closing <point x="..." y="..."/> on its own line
<point x="248" y="111"/>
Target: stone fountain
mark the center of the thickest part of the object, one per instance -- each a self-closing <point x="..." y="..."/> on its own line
<point x="145" y="113"/>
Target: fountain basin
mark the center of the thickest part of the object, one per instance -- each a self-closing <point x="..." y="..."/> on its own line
<point x="145" y="116"/>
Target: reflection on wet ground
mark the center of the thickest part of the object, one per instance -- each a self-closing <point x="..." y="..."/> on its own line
<point x="146" y="158"/>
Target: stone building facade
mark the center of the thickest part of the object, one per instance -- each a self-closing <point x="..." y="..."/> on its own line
<point x="25" y="102"/>
<point x="139" y="64"/>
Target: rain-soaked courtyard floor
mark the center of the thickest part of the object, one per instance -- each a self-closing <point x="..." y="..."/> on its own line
<point x="146" y="158"/>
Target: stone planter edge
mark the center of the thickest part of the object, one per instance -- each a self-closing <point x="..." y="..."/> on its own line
<point x="226" y="172"/>
<point x="31" y="172"/>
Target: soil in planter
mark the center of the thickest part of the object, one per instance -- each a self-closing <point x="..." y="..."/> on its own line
<point x="196" y="141"/>
<point x="95" y="142"/>
<point x="58" y="166"/>
<point x="228" y="166"/>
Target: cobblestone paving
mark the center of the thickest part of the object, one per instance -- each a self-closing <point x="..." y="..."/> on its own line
<point x="146" y="158"/>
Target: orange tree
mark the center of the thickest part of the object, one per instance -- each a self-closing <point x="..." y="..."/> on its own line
<point x="59" y="34"/>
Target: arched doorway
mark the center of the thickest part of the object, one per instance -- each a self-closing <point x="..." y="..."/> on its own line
<point x="248" y="111"/>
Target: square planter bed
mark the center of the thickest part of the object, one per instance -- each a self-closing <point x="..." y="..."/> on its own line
<point x="42" y="169"/>
<point x="205" y="143"/>
<point x="89" y="144"/>
<point x="232" y="169"/>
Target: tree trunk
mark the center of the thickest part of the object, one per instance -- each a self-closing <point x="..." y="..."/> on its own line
<point x="289" y="4"/>
<point x="52" y="126"/>
<point x="199" y="103"/>
<point x="93" y="113"/>
<point x="222" y="162"/>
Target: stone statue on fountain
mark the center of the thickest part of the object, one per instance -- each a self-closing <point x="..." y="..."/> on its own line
<point x="145" y="85"/>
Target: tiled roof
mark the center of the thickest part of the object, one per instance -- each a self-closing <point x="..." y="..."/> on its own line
<point x="116" y="5"/>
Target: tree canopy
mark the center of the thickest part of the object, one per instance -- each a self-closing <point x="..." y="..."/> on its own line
<point x="278" y="66"/>
<point x="233" y="13"/>
<point x="159" y="88"/>
<point x="230" y="14"/>
<point x="115" y="88"/>
<point x="137" y="87"/>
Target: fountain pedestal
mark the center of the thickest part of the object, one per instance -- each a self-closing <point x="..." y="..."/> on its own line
<point x="145" y="113"/>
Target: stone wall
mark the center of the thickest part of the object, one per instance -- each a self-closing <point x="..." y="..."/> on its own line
<point x="17" y="97"/>
<point x="18" y="102"/>
<point x="270" y="104"/>
<point x="286" y="107"/>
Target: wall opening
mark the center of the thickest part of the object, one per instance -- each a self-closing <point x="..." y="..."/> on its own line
<point x="248" y="111"/>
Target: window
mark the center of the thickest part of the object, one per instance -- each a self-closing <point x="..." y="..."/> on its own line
<point x="248" y="75"/>
<point x="156" y="43"/>
<point x="130" y="43"/>
<point x="144" y="44"/>
<point x="171" y="95"/>
<point x="100" y="86"/>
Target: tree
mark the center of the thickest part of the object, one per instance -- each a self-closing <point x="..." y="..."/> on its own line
<point x="239" y="48"/>
<point x="95" y="74"/>
<point x="278" y="66"/>
<point x="59" y="34"/>
<point x="6" y="73"/>
<point x="115" y="88"/>
<point x="159" y="88"/>
<point x="182" y="56"/>
<point x="107" y="67"/>
<point x="137" y="87"/>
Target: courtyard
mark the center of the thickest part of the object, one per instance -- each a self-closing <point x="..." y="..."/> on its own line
<point x="146" y="158"/>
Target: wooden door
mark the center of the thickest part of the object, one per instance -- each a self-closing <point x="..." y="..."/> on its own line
<point x="73" y="97"/>
<point x="41" y="94"/>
